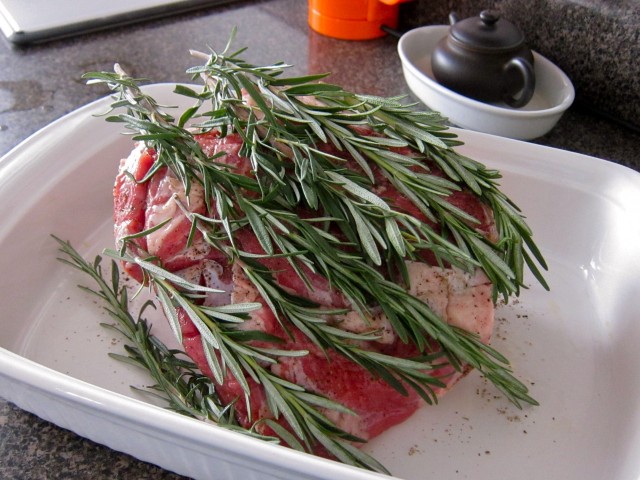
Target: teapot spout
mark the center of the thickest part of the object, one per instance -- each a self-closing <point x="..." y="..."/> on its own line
<point x="453" y="18"/>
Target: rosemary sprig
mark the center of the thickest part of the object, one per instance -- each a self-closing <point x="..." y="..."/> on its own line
<point x="286" y="125"/>
<point x="186" y="390"/>
<point x="191" y="393"/>
<point x="279" y="114"/>
<point x="410" y="317"/>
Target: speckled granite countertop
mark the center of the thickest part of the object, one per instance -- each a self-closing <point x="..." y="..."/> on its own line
<point x="41" y="83"/>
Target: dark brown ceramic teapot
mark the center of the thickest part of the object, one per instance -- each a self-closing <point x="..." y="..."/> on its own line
<point x="485" y="58"/>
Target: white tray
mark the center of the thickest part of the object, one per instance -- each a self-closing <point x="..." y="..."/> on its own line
<point x="577" y="346"/>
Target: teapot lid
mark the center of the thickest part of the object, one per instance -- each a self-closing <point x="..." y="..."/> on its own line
<point x="487" y="31"/>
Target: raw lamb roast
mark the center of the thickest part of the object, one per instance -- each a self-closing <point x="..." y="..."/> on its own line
<point x="460" y="298"/>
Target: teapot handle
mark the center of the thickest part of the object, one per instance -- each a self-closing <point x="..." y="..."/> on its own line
<point x="526" y="70"/>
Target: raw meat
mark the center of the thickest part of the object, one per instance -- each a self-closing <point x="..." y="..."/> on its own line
<point x="460" y="298"/>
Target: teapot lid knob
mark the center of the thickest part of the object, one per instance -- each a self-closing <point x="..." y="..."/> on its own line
<point x="489" y="17"/>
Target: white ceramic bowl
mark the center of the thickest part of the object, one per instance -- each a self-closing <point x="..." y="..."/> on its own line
<point x="553" y="95"/>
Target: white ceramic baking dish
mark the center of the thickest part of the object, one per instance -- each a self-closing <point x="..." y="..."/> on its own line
<point x="576" y="346"/>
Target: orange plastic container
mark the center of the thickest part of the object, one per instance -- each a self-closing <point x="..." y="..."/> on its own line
<point x="353" y="19"/>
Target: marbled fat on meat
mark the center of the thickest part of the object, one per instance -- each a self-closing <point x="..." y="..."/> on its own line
<point x="459" y="298"/>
